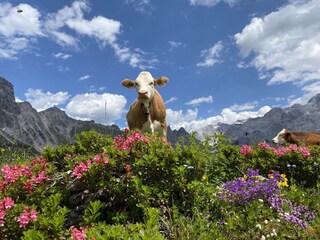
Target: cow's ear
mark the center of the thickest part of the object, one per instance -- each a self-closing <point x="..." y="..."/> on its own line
<point x="128" y="83"/>
<point x="287" y="135"/>
<point x="161" y="81"/>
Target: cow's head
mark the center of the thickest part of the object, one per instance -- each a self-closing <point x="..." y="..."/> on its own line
<point x="145" y="84"/>
<point x="282" y="137"/>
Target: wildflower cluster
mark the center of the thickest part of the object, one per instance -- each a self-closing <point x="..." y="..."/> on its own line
<point x="295" y="214"/>
<point x="245" y="149"/>
<point x="5" y="205"/>
<point x="250" y="188"/>
<point x="79" y="234"/>
<point x="129" y="141"/>
<point x="30" y="175"/>
<point x="83" y="167"/>
<point x="254" y="187"/>
<point x="26" y="216"/>
<point x="281" y="151"/>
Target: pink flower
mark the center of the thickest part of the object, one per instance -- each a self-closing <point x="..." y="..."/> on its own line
<point x="128" y="168"/>
<point x="41" y="178"/>
<point x="26" y="216"/>
<point x="80" y="169"/>
<point x="245" y="149"/>
<point x="78" y="234"/>
<point x="6" y="203"/>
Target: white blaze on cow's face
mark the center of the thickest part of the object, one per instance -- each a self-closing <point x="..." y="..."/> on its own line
<point x="145" y="85"/>
<point x="279" y="139"/>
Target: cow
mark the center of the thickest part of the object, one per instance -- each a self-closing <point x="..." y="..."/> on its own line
<point x="147" y="113"/>
<point x="305" y="138"/>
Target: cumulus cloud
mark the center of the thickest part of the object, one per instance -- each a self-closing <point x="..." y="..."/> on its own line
<point x="197" y="101"/>
<point x="211" y="55"/>
<point x="103" y="108"/>
<point x="19" y="32"/>
<point x="190" y="121"/>
<point x="42" y="100"/>
<point x="285" y="45"/>
<point x="212" y="3"/>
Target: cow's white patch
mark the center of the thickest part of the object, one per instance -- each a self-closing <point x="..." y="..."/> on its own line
<point x="279" y="139"/>
<point x="153" y="127"/>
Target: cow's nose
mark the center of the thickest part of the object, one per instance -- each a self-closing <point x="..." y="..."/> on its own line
<point x="143" y="92"/>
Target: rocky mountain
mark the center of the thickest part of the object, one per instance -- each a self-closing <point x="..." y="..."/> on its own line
<point x="295" y="118"/>
<point x="21" y="125"/>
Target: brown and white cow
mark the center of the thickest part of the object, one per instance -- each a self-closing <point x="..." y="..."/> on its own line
<point x="305" y="138"/>
<point x="148" y="112"/>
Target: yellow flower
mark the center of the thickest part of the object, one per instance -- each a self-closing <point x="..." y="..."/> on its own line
<point x="244" y="178"/>
<point x="284" y="182"/>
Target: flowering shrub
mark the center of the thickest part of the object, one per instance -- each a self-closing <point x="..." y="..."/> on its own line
<point x="251" y="188"/>
<point x="283" y="150"/>
<point x="140" y="187"/>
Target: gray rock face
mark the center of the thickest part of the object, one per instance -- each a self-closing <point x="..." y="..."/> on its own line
<point x="295" y="118"/>
<point x="21" y="123"/>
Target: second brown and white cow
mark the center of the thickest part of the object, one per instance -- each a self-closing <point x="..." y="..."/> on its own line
<point x="148" y="112"/>
<point x="305" y="138"/>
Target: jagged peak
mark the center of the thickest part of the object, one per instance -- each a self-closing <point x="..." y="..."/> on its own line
<point x="315" y="99"/>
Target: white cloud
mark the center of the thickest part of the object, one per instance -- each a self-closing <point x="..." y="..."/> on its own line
<point x="197" y="101"/>
<point x="172" y="99"/>
<point x="93" y="106"/>
<point x="211" y="55"/>
<point x="309" y="90"/>
<point x="285" y="43"/>
<point x="65" y="27"/>
<point x="190" y="121"/>
<point x="42" y="100"/>
<point x="176" y="44"/>
<point x="18" y="30"/>
<point x="244" y="107"/>
<point x="61" y="55"/>
<point x="212" y="3"/>
<point x="85" y="77"/>
<point x="177" y="119"/>
<point x="14" y="24"/>
<point x="136" y="58"/>
<point x="142" y="6"/>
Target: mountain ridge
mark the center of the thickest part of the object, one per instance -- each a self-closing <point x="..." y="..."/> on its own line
<point x="295" y="118"/>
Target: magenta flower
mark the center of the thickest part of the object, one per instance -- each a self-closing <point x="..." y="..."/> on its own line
<point x="245" y="149"/>
<point x="78" y="234"/>
<point x="26" y="216"/>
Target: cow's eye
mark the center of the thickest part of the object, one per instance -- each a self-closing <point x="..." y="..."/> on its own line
<point x="151" y="84"/>
<point x="137" y="84"/>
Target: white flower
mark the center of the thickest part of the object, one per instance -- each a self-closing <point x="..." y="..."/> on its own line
<point x="258" y="226"/>
<point x="263" y="237"/>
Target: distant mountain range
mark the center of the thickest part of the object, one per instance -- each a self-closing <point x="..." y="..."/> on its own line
<point x="295" y="118"/>
<point x="22" y="126"/>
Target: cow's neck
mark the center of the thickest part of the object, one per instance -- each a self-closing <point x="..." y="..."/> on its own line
<point x="145" y="107"/>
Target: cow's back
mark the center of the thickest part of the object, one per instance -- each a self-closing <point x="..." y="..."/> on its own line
<point x="307" y="138"/>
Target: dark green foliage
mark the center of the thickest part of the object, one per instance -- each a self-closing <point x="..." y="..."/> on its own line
<point x="140" y="187"/>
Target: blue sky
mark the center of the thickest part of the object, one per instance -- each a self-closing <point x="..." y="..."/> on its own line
<point x="227" y="60"/>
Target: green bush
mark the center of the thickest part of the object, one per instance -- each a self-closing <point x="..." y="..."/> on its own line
<point x="140" y="187"/>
